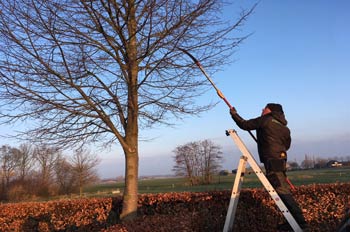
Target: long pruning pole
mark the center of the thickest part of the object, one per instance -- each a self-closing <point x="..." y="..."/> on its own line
<point x="220" y="94"/>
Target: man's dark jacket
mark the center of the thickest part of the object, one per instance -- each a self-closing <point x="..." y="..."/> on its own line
<point x="272" y="133"/>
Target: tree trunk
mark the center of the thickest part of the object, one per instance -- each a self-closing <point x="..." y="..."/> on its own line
<point x="80" y="187"/>
<point x="131" y="133"/>
<point x="131" y="186"/>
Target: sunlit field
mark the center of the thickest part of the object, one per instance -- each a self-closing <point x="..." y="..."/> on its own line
<point x="162" y="185"/>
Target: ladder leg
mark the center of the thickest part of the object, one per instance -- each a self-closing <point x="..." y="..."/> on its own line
<point x="231" y="212"/>
<point x="252" y="162"/>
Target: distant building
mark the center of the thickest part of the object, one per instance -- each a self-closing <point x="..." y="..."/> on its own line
<point x="333" y="164"/>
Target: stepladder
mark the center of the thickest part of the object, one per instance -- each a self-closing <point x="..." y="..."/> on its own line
<point x="245" y="159"/>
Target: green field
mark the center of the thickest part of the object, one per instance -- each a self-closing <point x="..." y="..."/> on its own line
<point x="162" y="185"/>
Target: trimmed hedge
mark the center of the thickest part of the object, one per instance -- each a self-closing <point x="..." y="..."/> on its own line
<point x="323" y="205"/>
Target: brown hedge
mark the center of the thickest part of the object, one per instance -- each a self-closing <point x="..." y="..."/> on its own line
<point x="323" y="205"/>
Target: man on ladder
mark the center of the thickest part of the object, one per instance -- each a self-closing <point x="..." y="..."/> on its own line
<point x="273" y="139"/>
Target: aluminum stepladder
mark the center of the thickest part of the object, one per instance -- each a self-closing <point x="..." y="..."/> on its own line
<point x="248" y="158"/>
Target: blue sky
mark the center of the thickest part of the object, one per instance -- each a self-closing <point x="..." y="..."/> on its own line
<point x="298" y="55"/>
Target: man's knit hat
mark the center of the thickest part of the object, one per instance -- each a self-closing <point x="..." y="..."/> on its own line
<point x="275" y="107"/>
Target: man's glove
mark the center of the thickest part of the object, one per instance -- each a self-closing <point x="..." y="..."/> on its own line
<point x="233" y="111"/>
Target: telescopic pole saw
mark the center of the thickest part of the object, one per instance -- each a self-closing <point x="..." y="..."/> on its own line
<point x="220" y="94"/>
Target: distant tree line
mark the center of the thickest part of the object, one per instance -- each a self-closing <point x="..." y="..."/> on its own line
<point x="28" y="172"/>
<point x="310" y="161"/>
<point x="198" y="161"/>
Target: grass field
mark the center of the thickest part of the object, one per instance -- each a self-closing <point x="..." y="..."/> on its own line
<point x="162" y="185"/>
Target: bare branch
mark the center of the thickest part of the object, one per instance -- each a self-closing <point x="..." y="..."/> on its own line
<point x="97" y="71"/>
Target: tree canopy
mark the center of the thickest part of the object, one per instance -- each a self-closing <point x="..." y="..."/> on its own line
<point x="85" y="71"/>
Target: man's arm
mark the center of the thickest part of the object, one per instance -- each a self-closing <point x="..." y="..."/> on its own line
<point x="251" y="124"/>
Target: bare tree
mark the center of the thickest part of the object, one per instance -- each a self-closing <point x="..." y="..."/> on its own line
<point x="46" y="157"/>
<point x="98" y="71"/>
<point x="198" y="161"/>
<point x="186" y="162"/>
<point x="211" y="159"/>
<point x="25" y="161"/>
<point x="8" y="161"/>
<point x="21" y="184"/>
<point x="307" y="162"/>
<point x="65" y="177"/>
<point x="84" y="168"/>
<point x="321" y="163"/>
<point x="293" y="165"/>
